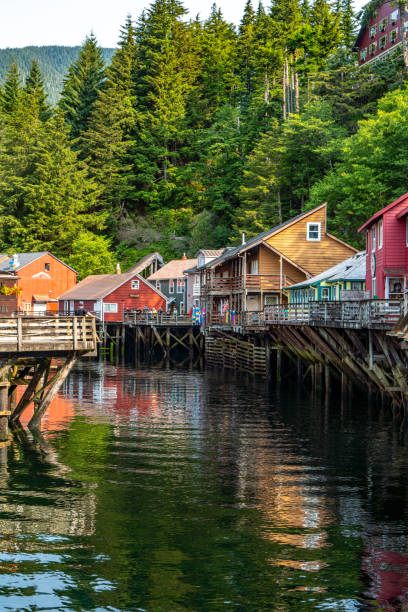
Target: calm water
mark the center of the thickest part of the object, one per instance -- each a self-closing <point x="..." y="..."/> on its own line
<point x="187" y="491"/>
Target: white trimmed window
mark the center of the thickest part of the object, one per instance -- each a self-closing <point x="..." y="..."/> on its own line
<point x="383" y="24"/>
<point x="109" y="307"/>
<point x="383" y="42"/>
<point x="373" y="47"/>
<point x="363" y="54"/>
<point x="374" y="287"/>
<point x="180" y="285"/>
<point x="373" y="238"/>
<point x="171" y="286"/>
<point x="373" y="31"/>
<point x="380" y="234"/>
<point x="313" y="232"/>
<point x="406" y="230"/>
<point x="158" y="285"/>
<point x="135" y="284"/>
<point x="394" y="35"/>
<point x="394" y="17"/>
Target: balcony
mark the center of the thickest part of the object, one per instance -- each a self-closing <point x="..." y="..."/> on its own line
<point x="254" y="282"/>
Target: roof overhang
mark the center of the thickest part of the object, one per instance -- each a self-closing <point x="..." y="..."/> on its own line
<point x="380" y="213"/>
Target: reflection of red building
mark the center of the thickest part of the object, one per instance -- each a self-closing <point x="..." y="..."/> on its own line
<point x="389" y="578"/>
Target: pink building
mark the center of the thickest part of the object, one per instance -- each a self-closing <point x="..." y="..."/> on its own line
<point x="382" y="36"/>
<point x="387" y="250"/>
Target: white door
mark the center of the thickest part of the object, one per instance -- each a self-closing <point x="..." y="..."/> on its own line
<point x="40" y="308"/>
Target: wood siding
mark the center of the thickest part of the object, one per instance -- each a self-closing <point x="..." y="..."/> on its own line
<point x="36" y="280"/>
<point x="313" y="256"/>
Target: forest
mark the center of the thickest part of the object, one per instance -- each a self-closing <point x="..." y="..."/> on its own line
<point x="197" y="130"/>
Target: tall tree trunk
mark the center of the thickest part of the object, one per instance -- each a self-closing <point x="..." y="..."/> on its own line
<point x="266" y="87"/>
<point x="296" y="83"/>
<point x="284" y="90"/>
<point x="402" y="7"/>
<point x="279" y="206"/>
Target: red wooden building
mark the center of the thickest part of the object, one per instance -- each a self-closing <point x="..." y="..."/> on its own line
<point x="37" y="279"/>
<point x="382" y="35"/>
<point x="107" y="295"/>
<point x="387" y="250"/>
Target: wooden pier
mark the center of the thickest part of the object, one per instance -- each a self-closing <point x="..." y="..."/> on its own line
<point x="38" y="353"/>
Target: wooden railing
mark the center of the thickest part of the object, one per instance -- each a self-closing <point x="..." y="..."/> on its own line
<point x="32" y="334"/>
<point x="149" y="318"/>
<point x="254" y="282"/>
<point x="375" y="314"/>
<point x="352" y="314"/>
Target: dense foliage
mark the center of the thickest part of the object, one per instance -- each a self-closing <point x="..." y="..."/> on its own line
<point x="197" y="130"/>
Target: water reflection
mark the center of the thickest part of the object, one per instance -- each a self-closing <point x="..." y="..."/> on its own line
<point x="170" y="490"/>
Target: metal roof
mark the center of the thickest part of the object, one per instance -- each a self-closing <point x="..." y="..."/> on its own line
<point x="211" y="252"/>
<point x="174" y="269"/>
<point x="98" y="286"/>
<point x="24" y="259"/>
<point x="353" y="268"/>
<point x="143" y="263"/>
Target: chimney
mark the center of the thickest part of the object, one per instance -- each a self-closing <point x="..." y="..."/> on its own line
<point x="243" y="238"/>
<point x="184" y="256"/>
<point x="117" y="271"/>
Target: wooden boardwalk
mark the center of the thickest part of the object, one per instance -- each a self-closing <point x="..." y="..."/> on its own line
<point x="28" y="346"/>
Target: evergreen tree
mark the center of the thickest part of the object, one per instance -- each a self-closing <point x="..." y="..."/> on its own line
<point x="34" y="88"/>
<point x="348" y="24"/>
<point x="12" y="90"/>
<point x="81" y="87"/>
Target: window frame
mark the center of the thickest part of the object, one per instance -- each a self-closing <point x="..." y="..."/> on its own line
<point x="373" y="48"/>
<point x="394" y="17"/>
<point x="373" y="287"/>
<point x="373" y="239"/>
<point x="323" y="298"/>
<point x="392" y="40"/>
<point x="383" y="41"/>
<point x="363" y="54"/>
<point x="47" y="266"/>
<point x="181" y="285"/>
<point x="383" y="24"/>
<point x="380" y="234"/>
<point x="135" y="284"/>
<point x="373" y="30"/>
<point x="110" y="310"/>
<point x="319" y="231"/>
<point x="171" y="285"/>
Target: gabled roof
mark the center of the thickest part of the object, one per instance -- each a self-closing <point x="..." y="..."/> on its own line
<point x="353" y="268"/>
<point x="98" y="286"/>
<point x="380" y="213"/>
<point x="211" y="252"/>
<point x="233" y="251"/>
<point x="174" y="269"/>
<point x="24" y="259"/>
<point x="146" y="261"/>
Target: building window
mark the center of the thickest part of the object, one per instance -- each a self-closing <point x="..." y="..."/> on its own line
<point x="134" y="284"/>
<point x="158" y="285"/>
<point x="383" y="42"/>
<point x="356" y="286"/>
<point x="180" y="285"/>
<point x="406" y="230"/>
<point x="313" y="231"/>
<point x="110" y="307"/>
<point x="383" y="24"/>
<point x="374" y="288"/>
<point x="373" y="31"/>
<point x="201" y="260"/>
<point x="380" y="234"/>
<point x="393" y="35"/>
<point x="181" y="307"/>
<point x="363" y="54"/>
<point x="373" y="48"/>
<point x="394" y="17"/>
<point x="373" y="238"/>
<point x="325" y="293"/>
<point x="47" y="267"/>
<point x="171" y="286"/>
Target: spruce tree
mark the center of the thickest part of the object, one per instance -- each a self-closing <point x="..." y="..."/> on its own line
<point x="81" y="87"/>
<point x="34" y="88"/>
<point x="12" y="91"/>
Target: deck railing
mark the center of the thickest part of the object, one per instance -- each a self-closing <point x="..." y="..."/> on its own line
<point x="357" y="314"/>
<point x="24" y="334"/>
<point x="252" y="282"/>
<point x="150" y="318"/>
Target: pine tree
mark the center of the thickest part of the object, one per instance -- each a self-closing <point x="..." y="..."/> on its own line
<point x="245" y="51"/>
<point x="34" y="88"/>
<point x="12" y="91"/>
<point x="81" y="87"/>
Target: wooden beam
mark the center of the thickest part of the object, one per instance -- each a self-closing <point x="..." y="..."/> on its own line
<point x="53" y="389"/>
<point x="28" y="394"/>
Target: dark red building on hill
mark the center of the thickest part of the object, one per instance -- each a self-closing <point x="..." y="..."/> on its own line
<point x="107" y="295"/>
<point x="387" y="250"/>
<point x="382" y="36"/>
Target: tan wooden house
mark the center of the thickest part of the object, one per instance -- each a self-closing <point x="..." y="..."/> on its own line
<point x="254" y="274"/>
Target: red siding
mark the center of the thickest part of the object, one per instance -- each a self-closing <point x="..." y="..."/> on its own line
<point x="394" y="252"/>
<point x="52" y="283"/>
<point x="126" y="297"/>
<point x="384" y="11"/>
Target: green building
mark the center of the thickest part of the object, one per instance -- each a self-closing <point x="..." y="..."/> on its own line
<point x="349" y="275"/>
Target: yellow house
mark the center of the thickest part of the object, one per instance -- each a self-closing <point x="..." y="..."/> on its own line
<point x="258" y="271"/>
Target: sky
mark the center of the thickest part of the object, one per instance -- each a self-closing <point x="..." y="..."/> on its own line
<point x="67" y="22"/>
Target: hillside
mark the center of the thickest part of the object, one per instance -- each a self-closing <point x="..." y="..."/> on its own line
<point x="54" y="62"/>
